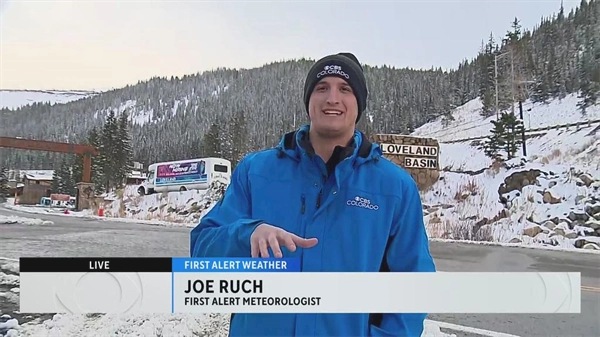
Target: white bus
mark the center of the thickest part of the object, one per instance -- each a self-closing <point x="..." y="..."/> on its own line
<point x="183" y="175"/>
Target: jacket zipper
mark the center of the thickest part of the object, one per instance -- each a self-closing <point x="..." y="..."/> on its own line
<point x="303" y="208"/>
<point x="319" y="198"/>
<point x="324" y="179"/>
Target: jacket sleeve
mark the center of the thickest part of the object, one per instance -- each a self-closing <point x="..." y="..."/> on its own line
<point x="226" y="229"/>
<point x="407" y="251"/>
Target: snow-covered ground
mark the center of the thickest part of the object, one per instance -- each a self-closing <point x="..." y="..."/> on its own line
<point x="179" y="325"/>
<point x="185" y="207"/>
<point x="468" y="123"/>
<point x="8" y="220"/>
<point x="13" y="99"/>
<point x="575" y="146"/>
<point x="549" y="198"/>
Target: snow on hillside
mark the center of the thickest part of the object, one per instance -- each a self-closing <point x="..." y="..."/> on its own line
<point x="519" y="202"/>
<point x="576" y="145"/>
<point x="137" y="115"/>
<point x="550" y="198"/>
<point x="468" y="123"/>
<point x="185" y="208"/>
<point x="13" y="99"/>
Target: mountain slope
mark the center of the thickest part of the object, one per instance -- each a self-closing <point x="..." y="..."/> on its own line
<point x="172" y="117"/>
<point x="550" y="197"/>
<point x="14" y="99"/>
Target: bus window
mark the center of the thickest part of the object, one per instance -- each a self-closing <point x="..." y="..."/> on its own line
<point x="220" y="168"/>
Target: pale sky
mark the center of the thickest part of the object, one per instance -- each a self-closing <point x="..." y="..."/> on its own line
<point x="109" y="44"/>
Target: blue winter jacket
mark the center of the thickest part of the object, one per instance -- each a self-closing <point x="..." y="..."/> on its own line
<point x="367" y="217"/>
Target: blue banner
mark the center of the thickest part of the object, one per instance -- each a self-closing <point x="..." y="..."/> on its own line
<point x="190" y="178"/>
<point x="235" y="265"/>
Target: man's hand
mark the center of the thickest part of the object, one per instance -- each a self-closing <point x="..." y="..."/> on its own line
<point x="265" y="236"/>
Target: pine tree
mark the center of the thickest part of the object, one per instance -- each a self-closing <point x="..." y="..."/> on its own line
<point x="504" y="136"/>
<point x="210" y="142"/>
<point x="4" y="189"/>
<point x="56" y="183"/>
<point x="595" y="71"/>
<point x="514" y="128"/>
<point x="98" y="162"/>
<point x="76" y="162"/>
<point x="589" y="73"/>
<point x="61" y="179"/>
<point x="487" y="77"/>
<point x="239" y="134"/>
<point x="110" y="149"/>
<point x="495" y="142"/>
<point x="124" y="153"/>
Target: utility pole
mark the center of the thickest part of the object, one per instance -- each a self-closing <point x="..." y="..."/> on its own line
<point x="496" y="58"/>
<point x="522" y="129"/>
<point x="512" y="81"/>
<point x="522" y="96"/>
<point x="496" y="80"/>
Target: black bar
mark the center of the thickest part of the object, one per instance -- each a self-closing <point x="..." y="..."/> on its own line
<point x="95" y="264"/>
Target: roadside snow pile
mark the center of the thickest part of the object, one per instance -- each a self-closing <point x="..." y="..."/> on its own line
<point x="8" y="326"/>
<point x="517" y="202"/>
<point x="214" y="325"/>
<point x="177" y="207"/>
<point x="129" y="325"/>
<point x="10" y="219"/>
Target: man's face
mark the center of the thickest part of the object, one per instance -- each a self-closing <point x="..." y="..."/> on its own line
<point x="333" y="108"/>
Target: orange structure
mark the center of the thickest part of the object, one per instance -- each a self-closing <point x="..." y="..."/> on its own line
<point x="85" y="187"/>
<point x="41" y="145"/>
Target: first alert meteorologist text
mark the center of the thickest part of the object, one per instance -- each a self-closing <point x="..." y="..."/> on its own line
<point x="262" y="301"/>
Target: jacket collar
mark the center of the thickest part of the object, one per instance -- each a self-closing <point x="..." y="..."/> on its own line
<point x="363" y="152"/>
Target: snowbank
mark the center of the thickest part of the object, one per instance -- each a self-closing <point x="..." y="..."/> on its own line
<point x="547" y="199"/>
<point x="184" y="208"/>
<point x="214" y="325"/>
<point x="39" y="209"/>
<point x="517" y="202"/>
<point x="9" y="220"/>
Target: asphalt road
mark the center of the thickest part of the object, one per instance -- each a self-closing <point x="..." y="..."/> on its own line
<point x="86" y="237"/>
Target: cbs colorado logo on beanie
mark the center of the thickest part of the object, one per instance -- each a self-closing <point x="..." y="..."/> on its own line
<point x="333" y="70"/>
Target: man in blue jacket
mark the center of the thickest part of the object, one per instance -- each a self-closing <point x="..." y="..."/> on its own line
<point x="327" y="196"/>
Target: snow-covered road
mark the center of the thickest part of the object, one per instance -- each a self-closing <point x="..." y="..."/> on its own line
<point x="70" y="236"/>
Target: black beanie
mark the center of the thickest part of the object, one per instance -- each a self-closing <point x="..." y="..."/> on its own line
<point x="344" y="66"/>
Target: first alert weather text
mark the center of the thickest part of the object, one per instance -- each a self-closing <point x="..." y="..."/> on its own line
<point x="229" y="287"/>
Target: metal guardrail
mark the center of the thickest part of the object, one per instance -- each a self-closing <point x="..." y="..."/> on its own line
<point x="530" y="132"/>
